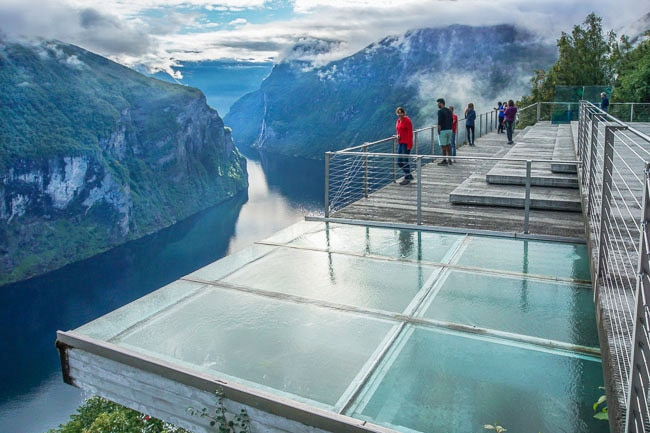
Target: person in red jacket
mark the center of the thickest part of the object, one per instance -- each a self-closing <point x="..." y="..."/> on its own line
<point x="454" y="130"/>
<point x="404" y="129"/>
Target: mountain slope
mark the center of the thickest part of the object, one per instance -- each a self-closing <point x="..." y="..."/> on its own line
<point x="305" y="111"/>
<point x="93" y="154"/>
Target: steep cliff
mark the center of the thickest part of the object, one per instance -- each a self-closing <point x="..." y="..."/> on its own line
<point x="93" y="154"/>
<point x="302" y="110"/>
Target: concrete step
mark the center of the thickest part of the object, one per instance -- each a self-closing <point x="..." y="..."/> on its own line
<point x="476" y="191"/>
<point x="564" y="151"/>
<point x="546" y="142"/>
<point x="514" y="173"/>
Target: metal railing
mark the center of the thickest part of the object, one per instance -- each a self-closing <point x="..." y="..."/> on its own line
<point x="378" y="161"/>
<point x="615" y="179"/>
<point x="565" y="112"/>
<point x="354" y="174"/>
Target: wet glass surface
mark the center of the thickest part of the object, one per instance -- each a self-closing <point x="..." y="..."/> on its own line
<point x="546" y="309"/>
<point x="449" y="382"/>
<point x="554" y="259"/>
<point x="312" y="353"/>
<point x="336" y="278"/>
<point x="474" y="329"/>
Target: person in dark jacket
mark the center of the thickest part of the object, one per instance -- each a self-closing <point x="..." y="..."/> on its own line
<point x="509" y="116"/>
<point x="470" y="118"/>
<point x="604" y="102"/>
<point x="445" y="123"/>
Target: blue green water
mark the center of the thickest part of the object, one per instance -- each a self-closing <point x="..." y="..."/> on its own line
<point x="33" y="397"/>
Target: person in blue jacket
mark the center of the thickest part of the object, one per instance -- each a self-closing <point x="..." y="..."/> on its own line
<point x="604" y="102"/>
<point x="470" y="118"/>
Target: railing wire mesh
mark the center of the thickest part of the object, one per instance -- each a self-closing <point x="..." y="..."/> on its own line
<point x="614" y="159"/>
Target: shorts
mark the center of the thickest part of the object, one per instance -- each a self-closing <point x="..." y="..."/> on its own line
<point x="445" y="137"/>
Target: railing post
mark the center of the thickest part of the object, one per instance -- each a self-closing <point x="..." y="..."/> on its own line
<point x="418" y="163"/>
<point x="527" y="199"/>
<point x="637" y="408"/>
<point x="394" y="160"/>
<point x="580" y="134"/>
<point x="539" y="111"/>
<point x="365" y="172"/>
<point x="606" y="198"/>
<point x="632" y="112"/>
<point x="415" y="143"/>
<point x="327" y="183"/>
<point x="433" y="141"/>
<point x="592" y="162"/>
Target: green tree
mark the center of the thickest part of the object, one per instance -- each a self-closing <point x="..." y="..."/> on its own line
<point x="587" y="57"/>
<point x="632" y="83"/>
<point x="584" y="55"/>
<point x="98" y="415"/>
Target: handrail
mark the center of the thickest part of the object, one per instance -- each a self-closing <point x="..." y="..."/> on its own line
<point x="370" y="177"/>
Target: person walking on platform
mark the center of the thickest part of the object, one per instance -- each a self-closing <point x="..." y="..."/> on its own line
<point x="509" y="116"/>
<point x="445" y="121"/>
<point x="454" y="131"/>
<point x="470" y="118"/>
<point x="404" y="131"/>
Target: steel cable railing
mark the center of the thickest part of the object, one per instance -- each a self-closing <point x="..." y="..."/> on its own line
<point x="615" y="159"/>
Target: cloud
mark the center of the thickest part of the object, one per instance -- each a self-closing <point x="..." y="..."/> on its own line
<point x="102" y="33"/>
<point x="238" y="21"/>
<point x="160" y="33"/>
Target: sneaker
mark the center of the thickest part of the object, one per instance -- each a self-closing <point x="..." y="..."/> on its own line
<point x="450" y="162"/>
<point x="443" y="162"/>
<point x="405" y="182"/>
<point x="511" y="142"/>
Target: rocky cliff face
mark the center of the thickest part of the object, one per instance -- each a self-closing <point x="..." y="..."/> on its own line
<point x="93" y="155"/>
<point x="303" y="110"/>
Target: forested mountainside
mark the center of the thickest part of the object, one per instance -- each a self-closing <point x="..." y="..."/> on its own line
<point x="93" y="154"/>
<point x="305" y="111"/>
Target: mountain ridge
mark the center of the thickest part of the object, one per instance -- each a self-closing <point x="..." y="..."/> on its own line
<point x="289" y="113"/>
<point x="94" y="154"/>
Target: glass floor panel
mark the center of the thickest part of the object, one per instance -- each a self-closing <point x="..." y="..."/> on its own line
<point x="440" y="381"/>
<point x="394" y="243"/>
<point x="309" y="352"/>
<point x="553" y="259"/>
<point x="336" y="278"/>
<point x="546" y="309"/>
<point x="414" y="330"/>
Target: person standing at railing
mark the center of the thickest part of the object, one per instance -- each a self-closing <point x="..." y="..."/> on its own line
<point x="454" y="131"/>
<point x="445" y="121"/>
<point x="404" y="130"/>
<point x="500" y="109"/>
<point x="470" y="118"/>
<point x="604" y="102"/>
<point x="509" y="116"/>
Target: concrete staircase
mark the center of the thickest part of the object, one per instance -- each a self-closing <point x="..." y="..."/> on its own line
<point x="554" y="183"/>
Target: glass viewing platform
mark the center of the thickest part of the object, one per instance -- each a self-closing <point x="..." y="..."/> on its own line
<point x="340" y="327"/>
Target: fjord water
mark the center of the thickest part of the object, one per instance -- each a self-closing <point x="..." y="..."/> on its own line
<point x="33" y="397"/>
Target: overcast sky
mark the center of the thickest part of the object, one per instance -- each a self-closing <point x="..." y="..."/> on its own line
<point x="159" y="33"/>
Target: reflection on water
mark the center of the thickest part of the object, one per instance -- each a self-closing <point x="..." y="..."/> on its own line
<point x="69" y="297"/>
